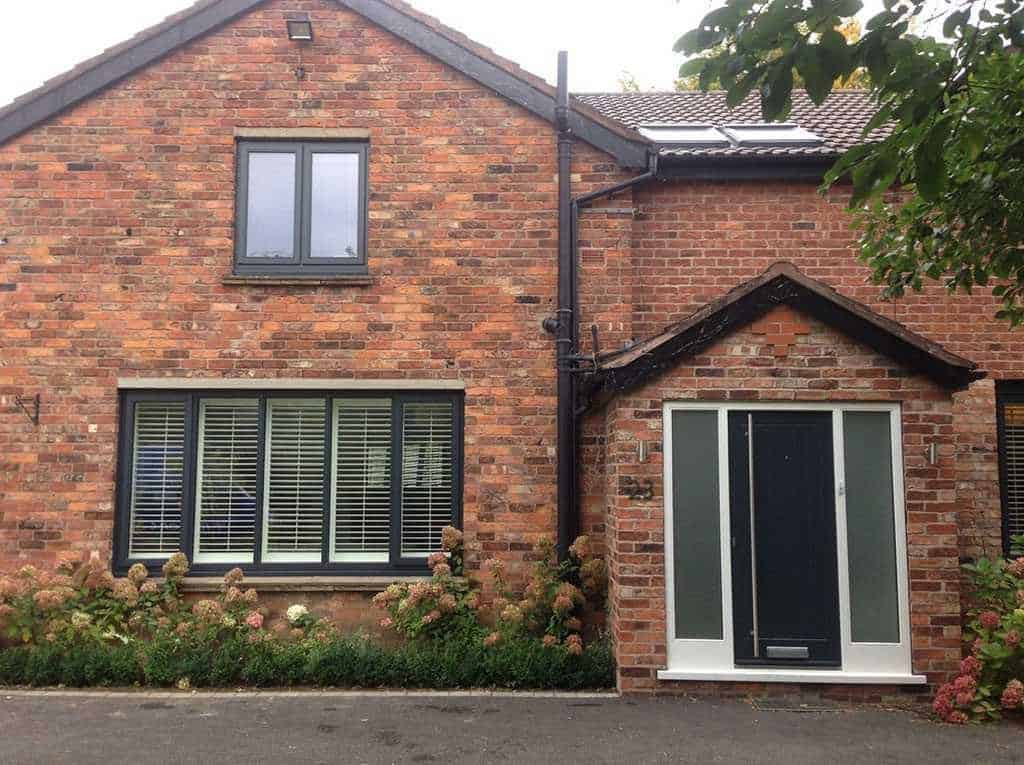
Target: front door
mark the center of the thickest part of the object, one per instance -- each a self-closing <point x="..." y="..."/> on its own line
<point x="783" y="524"/>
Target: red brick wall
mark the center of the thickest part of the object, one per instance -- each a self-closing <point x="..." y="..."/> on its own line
<point x="119" y="218"/>
<point x="694" y="241"/>
<point x="818" y="365"/>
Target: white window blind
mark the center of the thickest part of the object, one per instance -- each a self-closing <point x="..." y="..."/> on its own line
<point x="226" y="479"/>
<point x="426" y="475"/>
<point x="156" y="494"/>
<point x="1013" y="461"/>
<point x="293" y="490"/>
<point x="361" y="493"/>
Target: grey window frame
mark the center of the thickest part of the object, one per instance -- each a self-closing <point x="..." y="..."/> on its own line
<point x="302" y="264"/>
<point x="397" y="563"/>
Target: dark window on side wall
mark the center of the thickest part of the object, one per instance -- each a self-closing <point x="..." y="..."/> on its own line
<point x="301" y="208"/>
<point x="1010" y="407"/>
<point x="288" y="482"/>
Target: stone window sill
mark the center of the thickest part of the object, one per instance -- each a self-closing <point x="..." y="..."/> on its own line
<point x="267" y="584"/>
<point x="252" y="280"/>
<point x="792" y="676"/>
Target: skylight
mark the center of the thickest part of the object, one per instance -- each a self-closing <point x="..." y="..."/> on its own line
<point x="697" y="136"/>
<point x="771" y="134"/>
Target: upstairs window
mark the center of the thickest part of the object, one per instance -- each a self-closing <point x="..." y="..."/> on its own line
<point x="301" y="208"/>
<point x="280" y="481"/>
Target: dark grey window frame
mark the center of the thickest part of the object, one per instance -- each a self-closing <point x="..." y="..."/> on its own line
<point x="1007" y="392"/>
<point x="191" y="398"/>
<point x="302" y="264"/>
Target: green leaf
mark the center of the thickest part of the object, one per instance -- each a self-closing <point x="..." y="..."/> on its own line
<point x="692" y="67"/>
<point x="776" y="91"/>
<point x="974" y="139"/>
<point x="847" y="8"/>
<point x="930" y="163"/>
<point x="954" y="20"/>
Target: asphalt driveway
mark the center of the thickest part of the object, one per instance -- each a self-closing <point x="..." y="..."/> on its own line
<point x="337" y="728"/>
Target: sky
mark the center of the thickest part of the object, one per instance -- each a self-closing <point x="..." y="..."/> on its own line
<point x="603" y="37"/>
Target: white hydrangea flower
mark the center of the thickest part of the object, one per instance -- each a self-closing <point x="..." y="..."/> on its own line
<point x="296" y="613"/>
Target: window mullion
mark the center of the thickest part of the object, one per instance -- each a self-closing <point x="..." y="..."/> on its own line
<point x="329" y="477"/>
<point x="304" y="185"/>
<point x="189" y="495"/>
<point x="397" y="404"/>
<point x="261" y="461"/>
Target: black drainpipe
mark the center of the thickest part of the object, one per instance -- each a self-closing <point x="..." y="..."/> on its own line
<point x="565" y="325"/>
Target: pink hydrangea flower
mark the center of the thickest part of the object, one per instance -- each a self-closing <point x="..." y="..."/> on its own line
<point x="989" y="620"/>
<point x="1013" y="638"/>
<point x="1017" y="568"/>
<point x="970" y="666"/>
<point x="957" y="717"/>
<point x="431" y="617"/>
<point x="1013" y="695"/>
<point x="436" y="558"/>
<point x="255" y="620"/>
<point x="549" y="641"/>
<point x="493" y="639"/>
<point x="387" y="622"/>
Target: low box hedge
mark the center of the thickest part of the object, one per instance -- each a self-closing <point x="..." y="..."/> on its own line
<point x="348" y="661"/>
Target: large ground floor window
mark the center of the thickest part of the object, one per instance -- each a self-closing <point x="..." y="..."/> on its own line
<point x="288" y="481"/>
<point x="786" y="543"/>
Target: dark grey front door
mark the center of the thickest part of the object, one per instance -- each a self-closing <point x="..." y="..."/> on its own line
<point x="783" y="516"/>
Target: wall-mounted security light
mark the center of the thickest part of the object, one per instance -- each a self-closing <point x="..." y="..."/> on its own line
<point x="300" y="30"/>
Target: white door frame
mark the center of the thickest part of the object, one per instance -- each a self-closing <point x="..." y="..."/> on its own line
<point x="708" y="659"/>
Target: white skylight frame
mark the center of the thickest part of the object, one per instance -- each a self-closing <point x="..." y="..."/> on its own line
<point x="770" y="135"/>
<point x="690" y="135"/>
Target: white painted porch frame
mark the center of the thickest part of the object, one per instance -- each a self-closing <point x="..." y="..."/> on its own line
<point x="883" y="663"/>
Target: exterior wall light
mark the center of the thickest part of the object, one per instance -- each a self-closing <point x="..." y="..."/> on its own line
<point x="300" y="30"/>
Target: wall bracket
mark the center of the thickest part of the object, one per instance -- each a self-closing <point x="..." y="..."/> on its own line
<point x="24" y="405"/>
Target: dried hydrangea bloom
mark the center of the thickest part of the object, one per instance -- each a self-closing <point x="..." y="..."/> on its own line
<point x="495" y="566"/>
<point x="957" y="717"/>
<point x="574" y="624"/>
<point x="5" y="611"/>
<point x="233" y="577"/>
<point x="574" y="645"/>
<point x="451" y="538"/>
<point x="1020" y="597"/>
<point x="176" y="566"/>
<point x="381" y="600"/>
<point x="228" y="621"/>
<point x="594" y="575"/>
<point x="1017" y="568"/>
<point x="232" y="595"/>
<point x="255" y="620"/>
<point x="580" y="549"/>
<point x="492" y="640"/>
<point x="68" y="563"/>
<point x="80" y="619"/>
<point x="126" y="592"/>
<point x="28" y="572"/>
<point x="436" y="558"/>
<point x="208" y="610"/>
<point x="567" y="590"/>
<point x="549" y="641"/>
<point x="99" y="579"/>
<point x="387" y="623"/>
<point x="250" y="596"/>
<point x="431" y="617"/>
<point x="149" y="588"/>
<point x="137" y="574"/>
<point x="472" y="601"/>
<point x="447" y="603"/>
<point x="442" y="570"/>
<point x="511" y="614"/>
<point x="562" y="604"/>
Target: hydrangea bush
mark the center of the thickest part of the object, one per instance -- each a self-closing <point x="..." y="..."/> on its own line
<point x="81" y="627"/>
<point x="991" y="679"/>
<point x="550" y="609"/>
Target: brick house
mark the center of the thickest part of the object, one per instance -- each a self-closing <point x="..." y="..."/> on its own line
<point x="292" y="284"/>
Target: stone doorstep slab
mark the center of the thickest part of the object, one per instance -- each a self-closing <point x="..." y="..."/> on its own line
<point x="129" y="693"/>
